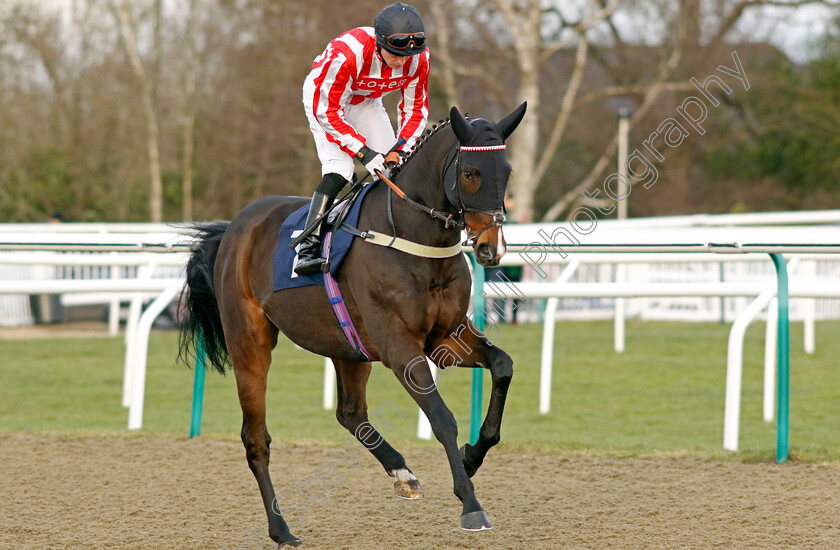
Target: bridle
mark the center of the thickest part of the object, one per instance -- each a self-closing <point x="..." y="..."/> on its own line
<point x="497" y="221"/>
<point x="497" y="216"/>
<point x="457" y="220"/>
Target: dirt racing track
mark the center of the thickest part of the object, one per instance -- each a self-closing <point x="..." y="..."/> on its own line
<point x="167" y="492"/>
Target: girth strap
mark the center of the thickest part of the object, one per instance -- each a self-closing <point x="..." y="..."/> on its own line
<point x="403" y="245"/>
<point x="341" y="313"/>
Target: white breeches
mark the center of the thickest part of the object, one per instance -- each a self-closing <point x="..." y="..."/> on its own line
<point x="369" y="118"/>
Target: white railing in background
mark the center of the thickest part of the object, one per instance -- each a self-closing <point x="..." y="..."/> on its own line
<point x="661" y="268"/>
<point x="627" y="242"/>
<point x="99" y="263"/>
<point x="637" y="236"/>
<point x="87" y="237"/>
<point x="80" y="266"/>
<point x="101" y="228"/>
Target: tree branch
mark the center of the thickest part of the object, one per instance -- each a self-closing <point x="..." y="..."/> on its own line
<point x="566" y="108"/>
<point x="665" y="70"/>
<point x="121" y="15"/>
<point x="632" y="89"/>
<point x="581" y="29"/>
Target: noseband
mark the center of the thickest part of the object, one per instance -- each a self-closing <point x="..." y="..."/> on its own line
<point x="497" y="221"/>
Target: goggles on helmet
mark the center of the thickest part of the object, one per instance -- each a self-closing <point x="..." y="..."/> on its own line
<point x="402" y="41"/>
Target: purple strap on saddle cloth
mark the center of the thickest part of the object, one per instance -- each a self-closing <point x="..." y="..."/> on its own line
<point x="340" y="309"/>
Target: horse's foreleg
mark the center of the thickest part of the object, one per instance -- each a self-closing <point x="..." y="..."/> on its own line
<point x="478" y="352"/>
<point x="251" y="356"/>
<point x="352" y="413"/>
<point x="405" y="356"/>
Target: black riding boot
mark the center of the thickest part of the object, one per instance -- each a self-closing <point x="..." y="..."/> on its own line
<point x="309" y="256"/>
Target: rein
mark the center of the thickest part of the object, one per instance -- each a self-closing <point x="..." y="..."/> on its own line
<point x="448" y="220"/>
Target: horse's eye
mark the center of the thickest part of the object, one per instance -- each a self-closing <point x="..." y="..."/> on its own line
<point x="468" y="174"/>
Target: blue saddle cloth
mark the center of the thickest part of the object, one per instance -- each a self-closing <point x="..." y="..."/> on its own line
<point x="285" y="258"/>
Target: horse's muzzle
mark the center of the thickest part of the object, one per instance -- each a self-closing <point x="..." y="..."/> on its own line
<point x="485" y="253"/>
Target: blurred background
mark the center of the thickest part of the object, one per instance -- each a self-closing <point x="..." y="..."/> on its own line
<point x="157" y="111"/>
<point x="170" y="110"/>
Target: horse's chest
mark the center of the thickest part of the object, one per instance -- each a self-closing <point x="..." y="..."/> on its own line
<point x="443" y="304"/>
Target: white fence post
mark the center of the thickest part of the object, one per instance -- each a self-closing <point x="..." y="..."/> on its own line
<point x="134" y="311"/>
<point x="547" y="355"/>
<point x="424" y="429"/>
<point x="329" y="384"/>
<point x="735" y="367"/>
<point x="770" y="337"/>
<point x="115" y="272"/>
<point x="144" y="328"/>
<point x="618" y="329"/>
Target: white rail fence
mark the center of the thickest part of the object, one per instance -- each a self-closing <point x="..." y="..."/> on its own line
<point x="641" y="241"/>
<point x="97" y="264"/>
<point x="112" y="263"/>
<point x="81" y="239"/>
<point x="674" y="268"/>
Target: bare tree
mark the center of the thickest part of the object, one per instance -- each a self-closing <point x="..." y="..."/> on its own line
<point x="529" y="34"/>
<point x="529" y="49"/>
<point x="123" y="18"/>
<point x="189" y="115"/>
<point x="209" y="108"/>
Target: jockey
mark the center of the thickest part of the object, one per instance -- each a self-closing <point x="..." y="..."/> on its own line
<point x="342" y="97"/>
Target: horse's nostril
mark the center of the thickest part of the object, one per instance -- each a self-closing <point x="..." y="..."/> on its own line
<point x="486" y="252"/>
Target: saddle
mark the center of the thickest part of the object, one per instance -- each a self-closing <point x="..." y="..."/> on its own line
<point x="336" y="241"/>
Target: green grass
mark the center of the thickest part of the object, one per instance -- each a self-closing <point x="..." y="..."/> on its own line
<point x="664" y="395"/>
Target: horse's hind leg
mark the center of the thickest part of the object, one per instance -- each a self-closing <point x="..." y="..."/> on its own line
<point x="352" y="413"/>
<point x="250" y="352"/>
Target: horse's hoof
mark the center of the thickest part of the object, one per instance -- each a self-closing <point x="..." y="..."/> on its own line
<point x="476" y="521"/>
<point x="408" y="489"/>
<point x="468" y="466"/>
<point x="287" y="539"/>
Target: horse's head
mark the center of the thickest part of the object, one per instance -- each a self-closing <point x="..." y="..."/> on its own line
<point x="476" y="181"/>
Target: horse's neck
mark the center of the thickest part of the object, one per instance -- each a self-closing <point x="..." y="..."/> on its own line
<point x="421" y="178"/>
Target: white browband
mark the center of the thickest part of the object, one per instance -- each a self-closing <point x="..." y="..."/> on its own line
<point x="484" y="148"/>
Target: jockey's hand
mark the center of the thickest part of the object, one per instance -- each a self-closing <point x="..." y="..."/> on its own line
<point x="393" y="159"/>
<point x="371" y="160"/>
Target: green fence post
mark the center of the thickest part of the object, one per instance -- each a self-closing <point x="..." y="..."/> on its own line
<point x="783" y="397"/>
<point x="198" y="388"/>
<point x="478" y="317"/>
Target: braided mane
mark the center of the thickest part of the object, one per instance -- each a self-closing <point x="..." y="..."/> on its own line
<point x="421" y="141"/>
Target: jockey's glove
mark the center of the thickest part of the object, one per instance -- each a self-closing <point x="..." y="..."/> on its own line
<point x="371" y="160"/>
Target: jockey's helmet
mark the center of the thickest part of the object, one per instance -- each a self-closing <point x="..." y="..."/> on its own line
<point x="399" y="29"/>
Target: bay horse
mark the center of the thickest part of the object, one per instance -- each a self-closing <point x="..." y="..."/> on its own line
<point x="405" y="307"/>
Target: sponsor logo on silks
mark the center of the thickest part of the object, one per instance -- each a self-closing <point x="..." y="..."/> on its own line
<point x="380" y="84"/>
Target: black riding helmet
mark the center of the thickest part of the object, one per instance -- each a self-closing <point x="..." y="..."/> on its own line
<point x="399" y="29"/>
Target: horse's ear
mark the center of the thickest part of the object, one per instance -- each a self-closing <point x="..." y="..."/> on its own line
<point x="463" y="131"/>
<point x="508" y="124"/>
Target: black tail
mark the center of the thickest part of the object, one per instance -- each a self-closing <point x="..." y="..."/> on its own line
<point x="203" y="325"/>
